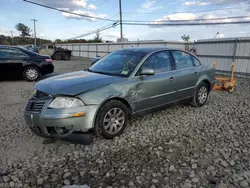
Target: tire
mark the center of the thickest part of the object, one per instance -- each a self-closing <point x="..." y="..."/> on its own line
<point x="31" y="73"/>
<point x="201" y="95"/>
<point x="113" y="114"/>
<point x="58" y="56"/>
<point x="66" y="57"/>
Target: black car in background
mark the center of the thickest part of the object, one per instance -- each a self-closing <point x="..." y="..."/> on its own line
<point x="32" y="48"/>
<point x="17" y="61"/>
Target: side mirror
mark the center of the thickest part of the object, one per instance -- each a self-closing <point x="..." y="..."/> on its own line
<point x="147" y="72"/>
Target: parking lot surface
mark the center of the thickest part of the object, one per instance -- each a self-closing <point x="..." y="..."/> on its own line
<point x="181" y="146"/>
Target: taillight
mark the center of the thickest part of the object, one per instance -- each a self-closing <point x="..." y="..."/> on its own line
<point x="48" y="60"/>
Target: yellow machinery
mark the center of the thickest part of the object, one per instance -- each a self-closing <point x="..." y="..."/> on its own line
<point x="228" y="84"/>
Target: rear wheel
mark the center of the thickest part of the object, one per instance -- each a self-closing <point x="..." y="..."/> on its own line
<point x="201" y="95"/>
<point x="58" y="56"/>
<point x="67" y="57"/>
<point x="111" y="119"/>
<point x="31" y="73"/>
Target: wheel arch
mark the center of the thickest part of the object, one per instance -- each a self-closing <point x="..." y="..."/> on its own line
<point x="31" y="65"/>
<point x="124" y="101"/>
<point x="206" y="80"/>
<point x="208" y="84"/>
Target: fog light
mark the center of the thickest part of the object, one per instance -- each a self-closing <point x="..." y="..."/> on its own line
<point x="79" y="114"/>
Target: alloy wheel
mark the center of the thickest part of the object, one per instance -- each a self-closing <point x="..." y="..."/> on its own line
<point x="114" y="120"/>
<point x="202" y="95"/>
<point x="32" y="74"/>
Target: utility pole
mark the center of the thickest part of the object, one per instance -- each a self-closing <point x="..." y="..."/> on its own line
<point x="34" y="20"/>
<point x="12" y="42"/>
<point x="120" y="5"/>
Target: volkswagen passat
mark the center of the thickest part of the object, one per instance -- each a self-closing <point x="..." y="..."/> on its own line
<point x="118" y="86"/>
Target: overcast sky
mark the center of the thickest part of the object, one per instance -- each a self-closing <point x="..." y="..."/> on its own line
<point x="53" y="24"/>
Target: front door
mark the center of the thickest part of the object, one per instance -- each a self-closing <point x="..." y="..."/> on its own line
<point x="11" y="62"/>
<point x="155" y="90"/>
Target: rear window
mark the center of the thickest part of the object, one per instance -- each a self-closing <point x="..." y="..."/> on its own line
<point x="196" y="62"/>
<point x="182" y="60"/>
<point x="11" y="53"/>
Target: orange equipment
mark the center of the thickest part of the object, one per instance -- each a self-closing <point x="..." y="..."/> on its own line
<point x="228" y="84"/>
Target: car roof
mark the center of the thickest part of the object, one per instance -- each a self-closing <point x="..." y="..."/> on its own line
<point x="144" y="50"/>
<point x="24" y="50"/>
<point x="8" y="46"/>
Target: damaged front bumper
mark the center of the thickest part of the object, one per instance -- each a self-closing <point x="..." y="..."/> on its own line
<point x="71" y="124"/>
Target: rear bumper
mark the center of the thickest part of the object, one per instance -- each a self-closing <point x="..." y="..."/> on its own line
<point x="47" y="68"/>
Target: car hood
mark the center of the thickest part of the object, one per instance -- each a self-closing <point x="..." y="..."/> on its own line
<point x="75" y="83"/>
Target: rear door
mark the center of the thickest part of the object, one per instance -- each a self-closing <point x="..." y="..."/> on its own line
<point x="187" y="74"/>
<point x="155" y="90"/>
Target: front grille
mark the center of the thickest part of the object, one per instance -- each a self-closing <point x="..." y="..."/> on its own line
<point x="35" y="105"/>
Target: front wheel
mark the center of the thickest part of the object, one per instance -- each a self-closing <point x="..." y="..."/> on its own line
<point x="201" y="95"/>
<point x="111" y="119"/>
<point x="31" y="74"/>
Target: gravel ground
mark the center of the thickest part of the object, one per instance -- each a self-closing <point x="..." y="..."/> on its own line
<point x="178" y="147"/>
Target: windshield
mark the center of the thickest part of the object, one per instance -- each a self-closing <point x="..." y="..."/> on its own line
<point x="119" y="63"/>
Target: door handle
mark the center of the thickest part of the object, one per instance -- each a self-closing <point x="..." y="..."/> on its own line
<point x="171" y="79"/>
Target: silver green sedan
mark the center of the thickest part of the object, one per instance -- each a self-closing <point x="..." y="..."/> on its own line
<point x="124" y="83"/>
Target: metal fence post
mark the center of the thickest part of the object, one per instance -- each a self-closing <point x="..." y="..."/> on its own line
<point x="96" y="54"/>
<point x="88" y="50"/>
<point x="235" y="49"/>
<point x="79" y="50"/>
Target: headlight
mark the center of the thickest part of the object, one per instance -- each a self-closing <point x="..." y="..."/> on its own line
<point x="65" y="102"/>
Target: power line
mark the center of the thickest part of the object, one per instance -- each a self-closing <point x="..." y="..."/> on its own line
<point x="60" y="10"/>
<point x="102" y="21"/>
<point x="88" y="30"/>
<point x="191" y="11"/>
<point x="95" y="31"/>
<point x="102" y="3"/>
<point x="188" y="24"/>
<point x="201" y="19"/>
<point x="139" y="21"/>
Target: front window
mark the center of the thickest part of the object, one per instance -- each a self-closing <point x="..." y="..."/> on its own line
<point x="159" y="62"/>
<point x="119" y="63"/>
